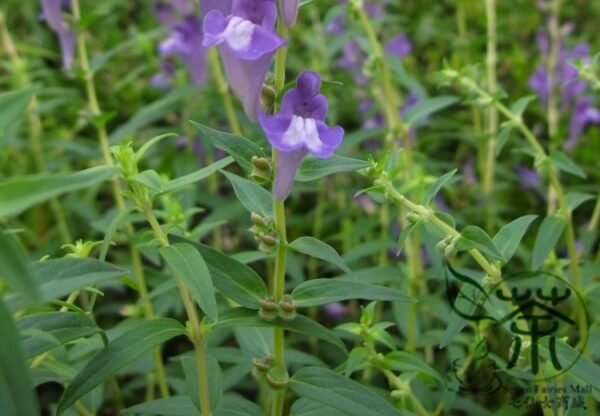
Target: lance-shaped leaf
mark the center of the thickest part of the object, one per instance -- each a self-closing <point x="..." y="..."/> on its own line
<point x="322" y="291"/>
<point x="59" y="277"/>
<point x="508" y="238"/>
<point x="319" y="249"/>
<point x="232" y="278"/>
<point x="16" y="390"/>
<point x="61" y="326"/>
<point x="119" y="353"/>
<point x="240" y="148"/>
<point x="313" y="168"/>
<point x="14" y="269"/>
<point x="253" y="197"/>
<point x="21" y="192"/>
<point x="550" y="231"/>
<point x="331" y="389"/>
<point x="188" y="265"/>
<point x="241" y="317"/>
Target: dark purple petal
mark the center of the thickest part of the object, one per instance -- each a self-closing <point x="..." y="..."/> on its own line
<point x="287" y="166"/>
<point x="539" y="83"/>
<point x="289" y="12"/>
<point x="263" y="13"/>
<point x="583" y="115"/>
<point x="52" y="14"/>
<point x="165" y="13"/>
<point x="528" y="177"/>
<point x="399" y="45"/>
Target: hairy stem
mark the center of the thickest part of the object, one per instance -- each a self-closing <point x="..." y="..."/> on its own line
<point x="197" y="337"/>
<point x="117" y="190"/>
<point x="492" y="114"/>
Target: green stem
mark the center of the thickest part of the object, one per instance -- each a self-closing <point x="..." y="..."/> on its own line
<point x="390" y="102"/>
<point x="35" y="123"/>
<point x="542" y="160"/>
<point x="277" y="404"/>
<point x="117" y="190"/>
<point x="428" y="214"/>
<point x="492" y="115"/>
<point x="197" y="337"/>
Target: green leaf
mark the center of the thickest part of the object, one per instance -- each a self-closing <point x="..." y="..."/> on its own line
<point x="122" y="351"/>
<point x="231" y="405"/>
<point x="12" y="104"/>
<point x="427" y="107"/>
<point x="322" y="291"/>
<point x="59" y="277"/>
<point x="240" y="148"/>
<point x="405" y="233"/>
<point x="319" y="249"/>
<point x="575" y="199"/>
<point x="188" y="265"/>
<point x="465" y="304"/>
<point x="406" y="362"/>
<point x="550" y="231"/>
<point x="331" y="389"/>
<point x="149" y="179"/>
<point x="521" y="104"/>
<point x="112" y="229"/>
<point x="503" y="137"/>
<point x="313" y="168"/>
<point x="62" y="326"/>
<point x="149" y="144"/>
<point x="232" y="278"/>
<point x="583" y="368"/>
<point x="358" y="359"/>
<point x="16" y="390"/>
<point x="14" y="269"/>
<point x="213" y="372"/>
<point x="254" y="197"/>
<point x="154" y="111"/>
<point x="173" y="406"/>
<point x="21" y="192"/>
<point x="307" y="407"/>
<point x="473" y="237"/>
<point x="242" y="317"/>
<point x="192" y="178"/>
<point x="508" y="238"/>
<point x="436" y="187"/>
<point x="563" y="162"/>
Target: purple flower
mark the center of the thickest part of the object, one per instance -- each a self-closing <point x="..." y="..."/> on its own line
<point x="528" y="177"/>
<point x="247" y="42"/>
<point x="336" y="310"/>
<point x="299" y="128"/>
<point x="289" y="12"/>
<point x="52" y="13"/>
<point x="162" y="80"/>
<point x="399" y="46"/>
<point x="185" y="39"/>
<point x="583" y="114"/>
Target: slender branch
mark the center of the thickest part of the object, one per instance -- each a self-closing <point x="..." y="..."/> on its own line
<point x="197" y="337"/>
<point x="117" y="190"/>
<point x="492" y="114"/>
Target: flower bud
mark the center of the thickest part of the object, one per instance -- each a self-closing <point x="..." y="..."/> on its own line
<point x="267" y="96"/>
<point x="268" y="309"/>
<point x="268" y="242"/>
<point x="287" y="308"/>
<point x="261" y="169"/>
